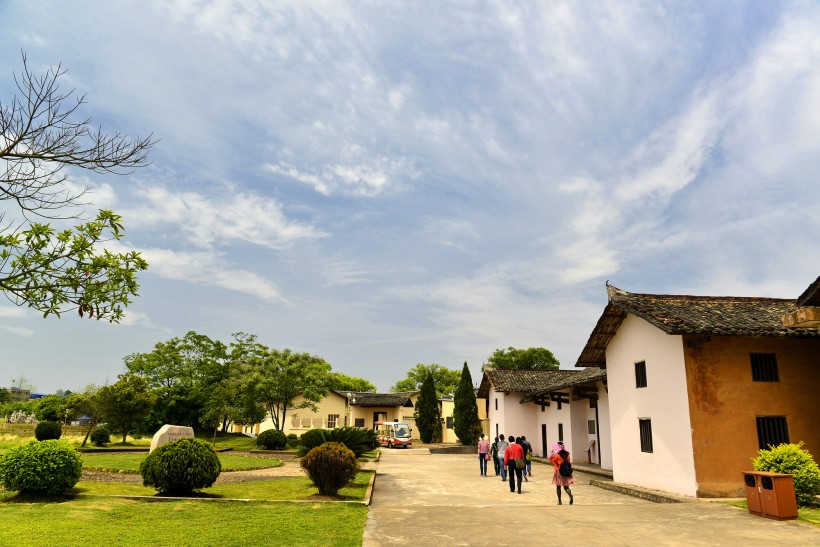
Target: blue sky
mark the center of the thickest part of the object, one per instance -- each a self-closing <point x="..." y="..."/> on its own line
<point x="389" y="183"/>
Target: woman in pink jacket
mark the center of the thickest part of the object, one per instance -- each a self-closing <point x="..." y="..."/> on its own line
<point x="558" y="456"/>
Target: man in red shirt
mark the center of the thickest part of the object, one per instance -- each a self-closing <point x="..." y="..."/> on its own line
<point x="512" y="453"/>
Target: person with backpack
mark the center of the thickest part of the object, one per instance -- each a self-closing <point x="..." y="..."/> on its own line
<point x="494" y="454"/>
<point x="527" y="455"/>
<point x="562" y="477"/>
<point x="514" y="461"/>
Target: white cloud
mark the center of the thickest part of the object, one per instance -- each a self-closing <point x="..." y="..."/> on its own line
<point x="356" y="172"/>
<point x="20" y="331"/>
<point x="210" y="269"/>
<point x="339" y="272"/>
<point x="14" y="312"/>
<point x="211" y="221"/>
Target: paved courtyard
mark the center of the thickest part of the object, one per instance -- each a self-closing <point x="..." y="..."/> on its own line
<point x="424" y="499"/>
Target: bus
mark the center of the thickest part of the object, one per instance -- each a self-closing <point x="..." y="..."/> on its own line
<point x="392" y="434"/>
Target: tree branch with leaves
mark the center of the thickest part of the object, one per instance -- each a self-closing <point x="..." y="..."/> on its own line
<point x="53" y="270"/>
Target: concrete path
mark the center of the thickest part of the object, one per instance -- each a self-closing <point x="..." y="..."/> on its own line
<point x="435" y="499"/>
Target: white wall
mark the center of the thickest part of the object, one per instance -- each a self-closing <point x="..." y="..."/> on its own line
<point x="512" y="417"/>
<point x="604" y="427"/>
<point x="670" y="467"/>
<point x="552" y="416"/>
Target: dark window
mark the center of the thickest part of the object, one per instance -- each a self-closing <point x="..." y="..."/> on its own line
<point x="640" y="374"/>
<point x="543" y="408"/>
<point x="449" y="422"/>
<point x="359" y="422"/>
<point x="496" y="403"/>
<point x="764" y="367"/>
<point x="559" y="404"/>
<point x="646" y="435"/>
<point x="591" y="427"/>
<point x="593" y="403"/>
<point x="771" y="431"/>
<point x="561" y="432"/>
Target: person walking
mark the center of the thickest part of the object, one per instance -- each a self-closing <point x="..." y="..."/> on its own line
<point x="494" y="454"/>
<point x="502" y="447"/>
<point x="483" y="450"/>
<point x="560" y="478"/>
<point x="527" y="455"/>
<point x="512" y="453"/>
<point x="522" y="442"/>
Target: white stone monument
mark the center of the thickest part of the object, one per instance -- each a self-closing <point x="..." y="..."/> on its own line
<point x="169" y="433"/>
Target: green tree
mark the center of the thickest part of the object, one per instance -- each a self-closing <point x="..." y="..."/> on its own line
<point x="85" y="404"/>
<point x="427" y="414"/>
<point x="5" y="396"/>
<point x="466" y="424"/>
<point x="279" y="377"/>
<point x="446" y="380"/>
<point x="49" y="270"/>
<point x="49" y="408"/>
<point x="343" y="382"/>
<point x="522" y="359"/>
<point x="182" y="372"/>
<point x="126" y="404"/>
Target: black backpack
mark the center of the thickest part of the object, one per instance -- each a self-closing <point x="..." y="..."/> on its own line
<point x="565" y="469"/>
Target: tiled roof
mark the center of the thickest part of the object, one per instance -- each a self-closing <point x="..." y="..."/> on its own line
<point x="577" y="378"/>
<point x="681" y="314"/>
<point x="811" y="296"/>
<point x="364" y="398"/>
<point x="524" y="381"/>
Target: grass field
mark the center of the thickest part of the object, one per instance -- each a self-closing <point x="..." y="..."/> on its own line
<point x="117" y="521"/>
<point x="94" y="514"/>
<point x="233" y="441"/>
<point x="284" y="488"/>
<point x="131" y="462"/>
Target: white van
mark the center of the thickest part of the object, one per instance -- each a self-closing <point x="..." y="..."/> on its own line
<point x="392" y="434"/>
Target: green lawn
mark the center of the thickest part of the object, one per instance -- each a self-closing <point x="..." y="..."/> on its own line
<point x="110" y="521"/>
<point x="233" y="441"/>
<point x="105" y="519"/>
<point x="131" y="462"/>
<point x="285" y="488"/>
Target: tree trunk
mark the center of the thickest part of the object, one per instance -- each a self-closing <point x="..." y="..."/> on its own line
<point x="124" y="435"/>
<point x="91" y="425"/>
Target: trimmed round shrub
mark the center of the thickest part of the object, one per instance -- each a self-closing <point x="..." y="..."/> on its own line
<point x="272" y="439"/>
<point x="44" y="467"/>
<point x="180" y="467"/>
<point x="101" y="436"/>
<point x="796" y="461"/>
<point x="330" y="466"/>
<point x="46" y="431"/>
<point x="357" y="439"/>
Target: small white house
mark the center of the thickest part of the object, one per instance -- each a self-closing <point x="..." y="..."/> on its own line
<point x="548" y="406"/>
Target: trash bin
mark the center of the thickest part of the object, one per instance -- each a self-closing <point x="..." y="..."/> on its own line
<point x="753" y="499"/>
<point x="777" y="496"/>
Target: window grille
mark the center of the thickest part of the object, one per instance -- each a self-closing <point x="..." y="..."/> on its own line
<point x="764" y="367"/>
<point x="591" y="427"/>
<point x="640" y="374"/>
<point x="332" y="420"/>
<point x="771" y="431"/>
<point x="646" y="435"/>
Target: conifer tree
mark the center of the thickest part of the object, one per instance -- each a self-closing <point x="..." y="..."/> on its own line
<point x="428" y="417"/>
<point x="466" y="424"/>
